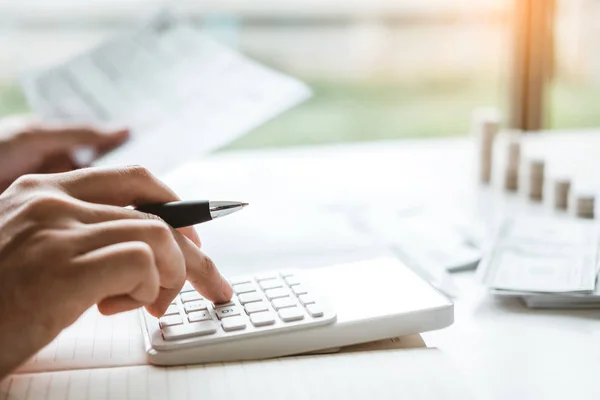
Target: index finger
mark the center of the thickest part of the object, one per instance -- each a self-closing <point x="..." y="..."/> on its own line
<point x="203" y="274"/>
<point x="200" y="269"/>
<point x="123" y="186"/>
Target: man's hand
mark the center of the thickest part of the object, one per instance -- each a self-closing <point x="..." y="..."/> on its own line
<point x="28" y="147"/>
<point x="67" y="242"/>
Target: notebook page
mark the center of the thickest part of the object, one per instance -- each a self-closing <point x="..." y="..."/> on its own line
<point x="91" y="342"/>
<point x="383" y="374"/>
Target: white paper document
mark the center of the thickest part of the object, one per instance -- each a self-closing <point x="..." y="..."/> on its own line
<point x="542" y="255"/>
<point x="383" y="374"/>
<point x="538" y="273"/>
<point x="182" y="94"/>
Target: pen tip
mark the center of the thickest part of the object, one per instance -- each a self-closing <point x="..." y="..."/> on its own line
<point x="245" y="204"/>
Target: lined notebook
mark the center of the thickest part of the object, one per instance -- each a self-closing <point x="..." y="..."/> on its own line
<point x="379" y="374"/>
<point x="102" y="357"/>
<point x="94" y="341"/>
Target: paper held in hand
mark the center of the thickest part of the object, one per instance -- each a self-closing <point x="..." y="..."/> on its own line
<point x="182" y="94"/>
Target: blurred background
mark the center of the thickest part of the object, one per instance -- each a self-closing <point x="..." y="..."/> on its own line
<point x="379" y="69"/>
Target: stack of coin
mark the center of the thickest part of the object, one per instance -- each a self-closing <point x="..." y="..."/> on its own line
<point x="584" y="205"/>
<point x="536" y="180"/>
<point x="486" y="125"/>
<point x="511" y="177"/>
<point x="562" y="186"/>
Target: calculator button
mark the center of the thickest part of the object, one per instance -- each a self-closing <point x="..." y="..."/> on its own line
<point x="299" y="289"/>
<point x="256" y="307"/>
<point x="191" y="296"/>
<point x="291" y="314"/>
<point x="227" y="312"/>
<point x="249" y="297"/>
<point x="173" y="309"/>
<point x="262" y="319"/>
<point x="244" y="288"/>
<point x="199" y="316"/>
<point x="276" y="293"/>
<point x="221" y="305"/>
<point x="187" y="287"/>
<point x="266" y="276"/>
<point x="240" y="279"/>
<point x="285" y="274"/>
<point x="195" y="306"/>
<point x="233" y="324"/>
<point x="190" y="330"/>
<point x="292" y="280"/>
<point x="271" y="284"/>
<point x="283" y="302"/>
<point x="170" y="320"/>
<point x="306" y="299"/>
<point x="314" y="310"/>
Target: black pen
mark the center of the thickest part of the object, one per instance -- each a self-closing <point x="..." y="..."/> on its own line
<point x="180" y="214"/>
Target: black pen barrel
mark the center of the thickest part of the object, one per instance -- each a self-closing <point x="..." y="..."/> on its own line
<point x="179" y="214"/>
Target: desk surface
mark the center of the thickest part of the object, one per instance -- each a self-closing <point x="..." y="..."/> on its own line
<point x="505" y="350"/>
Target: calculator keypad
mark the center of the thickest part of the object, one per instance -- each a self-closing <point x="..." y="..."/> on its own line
<point x="249" y="297"/>
<point x="195" y="306"/>
<point x="170" y="320"/>
<point x="291" y="314"/>
<point x="262" y="318"/>
<point x="257" y="306"/>
<point x="277" y="293"/>
<point x="199" y="316"/>
<point x="189" y="330"/>
<point x="190" y="296"/>
<point x="244" y="288"/>
<point x="224" y="312"/>
<point x="283" y="302"/>
<point x="270" y="284"/>
<point x="267" y="301"/>
<point x="172" y="310"/>
<point x="314" y="310"/>
<point x="233" y="324"/>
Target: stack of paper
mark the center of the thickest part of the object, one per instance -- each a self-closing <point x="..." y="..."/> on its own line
<point x="549" y="262"/>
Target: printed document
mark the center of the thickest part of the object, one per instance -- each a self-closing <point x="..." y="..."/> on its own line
<point x="182" y="94"/>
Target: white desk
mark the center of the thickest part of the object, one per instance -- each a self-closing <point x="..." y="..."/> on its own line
<point x="504" y="350"/>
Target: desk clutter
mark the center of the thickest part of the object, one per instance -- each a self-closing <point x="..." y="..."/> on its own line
<point x="504" y="161"/>
<point x="545" y="250"/>
<point x="548" y="262"/>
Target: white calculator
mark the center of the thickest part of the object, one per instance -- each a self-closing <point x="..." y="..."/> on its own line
<point x="278" y="313"/>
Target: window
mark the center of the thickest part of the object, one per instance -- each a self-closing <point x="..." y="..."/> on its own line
<point x="380" y="70"/>
<point x="575" y="89"/>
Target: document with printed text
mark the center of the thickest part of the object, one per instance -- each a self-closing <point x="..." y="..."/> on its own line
<point x="182" y="94"/>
